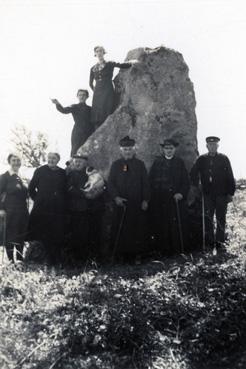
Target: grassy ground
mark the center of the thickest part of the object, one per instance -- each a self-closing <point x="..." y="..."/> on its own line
<point x="182" y="313"/>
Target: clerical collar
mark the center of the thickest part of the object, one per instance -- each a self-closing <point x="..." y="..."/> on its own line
<point x="12" y="172"/>
<point x="168" y="158"/>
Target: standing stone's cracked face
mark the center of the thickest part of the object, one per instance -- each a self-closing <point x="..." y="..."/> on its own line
<point x="155" y="100"/>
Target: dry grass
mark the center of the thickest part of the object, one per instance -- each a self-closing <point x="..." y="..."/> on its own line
<point x="182" y="313"/>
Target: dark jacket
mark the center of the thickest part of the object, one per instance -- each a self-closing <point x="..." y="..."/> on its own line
<point x="169" y="175"/>
<point x="80" y="112"/>
<point x="48" y="190"/>
<point x="106" y="73"/>
<point x="215" y="173"/>
<point x="13" y="194"/>
<point x="129" y="179"/>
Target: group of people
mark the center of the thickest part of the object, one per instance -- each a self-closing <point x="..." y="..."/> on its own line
<point x="140" y="212"/>
<point x="87" y="119"/>
<point x="149" y="211"/>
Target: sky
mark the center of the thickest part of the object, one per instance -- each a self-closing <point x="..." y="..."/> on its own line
<point x="47" y="51"/>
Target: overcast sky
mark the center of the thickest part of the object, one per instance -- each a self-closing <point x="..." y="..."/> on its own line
<point x="47" y="51"/>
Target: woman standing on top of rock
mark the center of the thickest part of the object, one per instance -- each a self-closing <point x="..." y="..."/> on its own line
<point x="103" y="98"/>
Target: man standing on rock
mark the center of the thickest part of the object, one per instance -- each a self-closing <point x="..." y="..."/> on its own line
<point x="82" y="128"/>
<point x="214" y="172"/>
<point x="129" y="189"/>
<point x="169" y="182"/>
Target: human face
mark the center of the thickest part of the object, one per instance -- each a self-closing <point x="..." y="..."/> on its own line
<point x="169" y="151"/>
<point x="79" y="163"/>
<point x="15" y="163"/>
<point x="99" y="53"/>
<point x="127" y="152"/>
<point x="82" y="96"/>
<point x="52" y="160"/>
<point x="212" y="147"/>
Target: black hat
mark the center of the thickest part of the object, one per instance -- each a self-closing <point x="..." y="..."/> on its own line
<point x="212" y="139"/>
<point x="127" y="142"/>
<point x="82" y="156"/>
<point x="169" y="142"/>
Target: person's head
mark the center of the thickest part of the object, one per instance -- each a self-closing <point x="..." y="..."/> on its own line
<point x="99" y="52"/>
<point x="212" y="144"/>
<point x="169" y="148"/>
<point x="82" y="95"/>
<point x="79" y="161"/>
<point x="53" y="159"/>
<point x="127" y="147"/>
<point x="14" y="162"/>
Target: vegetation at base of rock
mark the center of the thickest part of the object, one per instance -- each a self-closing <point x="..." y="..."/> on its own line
<point x="180" y="313"/>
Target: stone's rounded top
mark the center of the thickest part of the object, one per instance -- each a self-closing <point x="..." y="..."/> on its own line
<point x="212" y="139"/>
<point x="169" y="142"/>
<point x="127" y="142"/>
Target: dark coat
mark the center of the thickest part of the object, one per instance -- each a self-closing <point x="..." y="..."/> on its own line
<point x="176" y="175"/>
<point x="104" y="97"/>
<point x="168" y="177"/>
<point x="215" y="173"/>
<point x="82" y="128"/>
<point x="129" y="179"/>
<point x="85" y="217"/>
<point x="14" y="202"/>
<point x="76" y="179"/>
<point x="48" y="191"/>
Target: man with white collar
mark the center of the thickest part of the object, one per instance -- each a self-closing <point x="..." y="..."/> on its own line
<point x="214" y="172"/>
<point x="169" y="183"/>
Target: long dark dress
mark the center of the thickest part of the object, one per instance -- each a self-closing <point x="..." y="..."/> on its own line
<point x="85" y="217"/>
<point x="47" y="219"/>
<point x="82" y="128"/>
<point x="14" y="194"/>
<point x="129" y="179"/>
<point x="104" y="96"/>
<point x="168" y="177"/>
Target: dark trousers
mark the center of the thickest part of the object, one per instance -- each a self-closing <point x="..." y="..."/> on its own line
<point x="215" y="205"/>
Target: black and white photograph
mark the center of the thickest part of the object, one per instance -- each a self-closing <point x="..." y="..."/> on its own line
<point x="122" y="184"/>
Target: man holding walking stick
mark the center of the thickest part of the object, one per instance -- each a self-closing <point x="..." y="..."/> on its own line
<point x="214" y="172"/>
<point x="129" y="189"/>
<point x="169" y="182"/>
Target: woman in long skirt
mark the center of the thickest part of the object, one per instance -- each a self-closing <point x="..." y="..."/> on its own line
<point x="13" y="193"/>
<point x="104" y="96"/>
<point x="47" y="219"/>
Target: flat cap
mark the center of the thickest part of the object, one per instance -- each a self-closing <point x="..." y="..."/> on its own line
<point x="80" y="156"/>
<point x="212" y="139"/>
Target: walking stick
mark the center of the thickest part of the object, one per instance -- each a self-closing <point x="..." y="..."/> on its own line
<point x="119" y="232"/>
<point x="203" y="224"/>
<point x="180" y="227"/>
<point x="3" y="218"/>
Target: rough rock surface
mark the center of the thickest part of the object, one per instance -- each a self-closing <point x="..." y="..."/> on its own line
<point x="156" y="101"/>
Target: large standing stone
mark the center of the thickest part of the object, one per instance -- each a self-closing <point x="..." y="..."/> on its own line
<point x="156" y="101"/>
